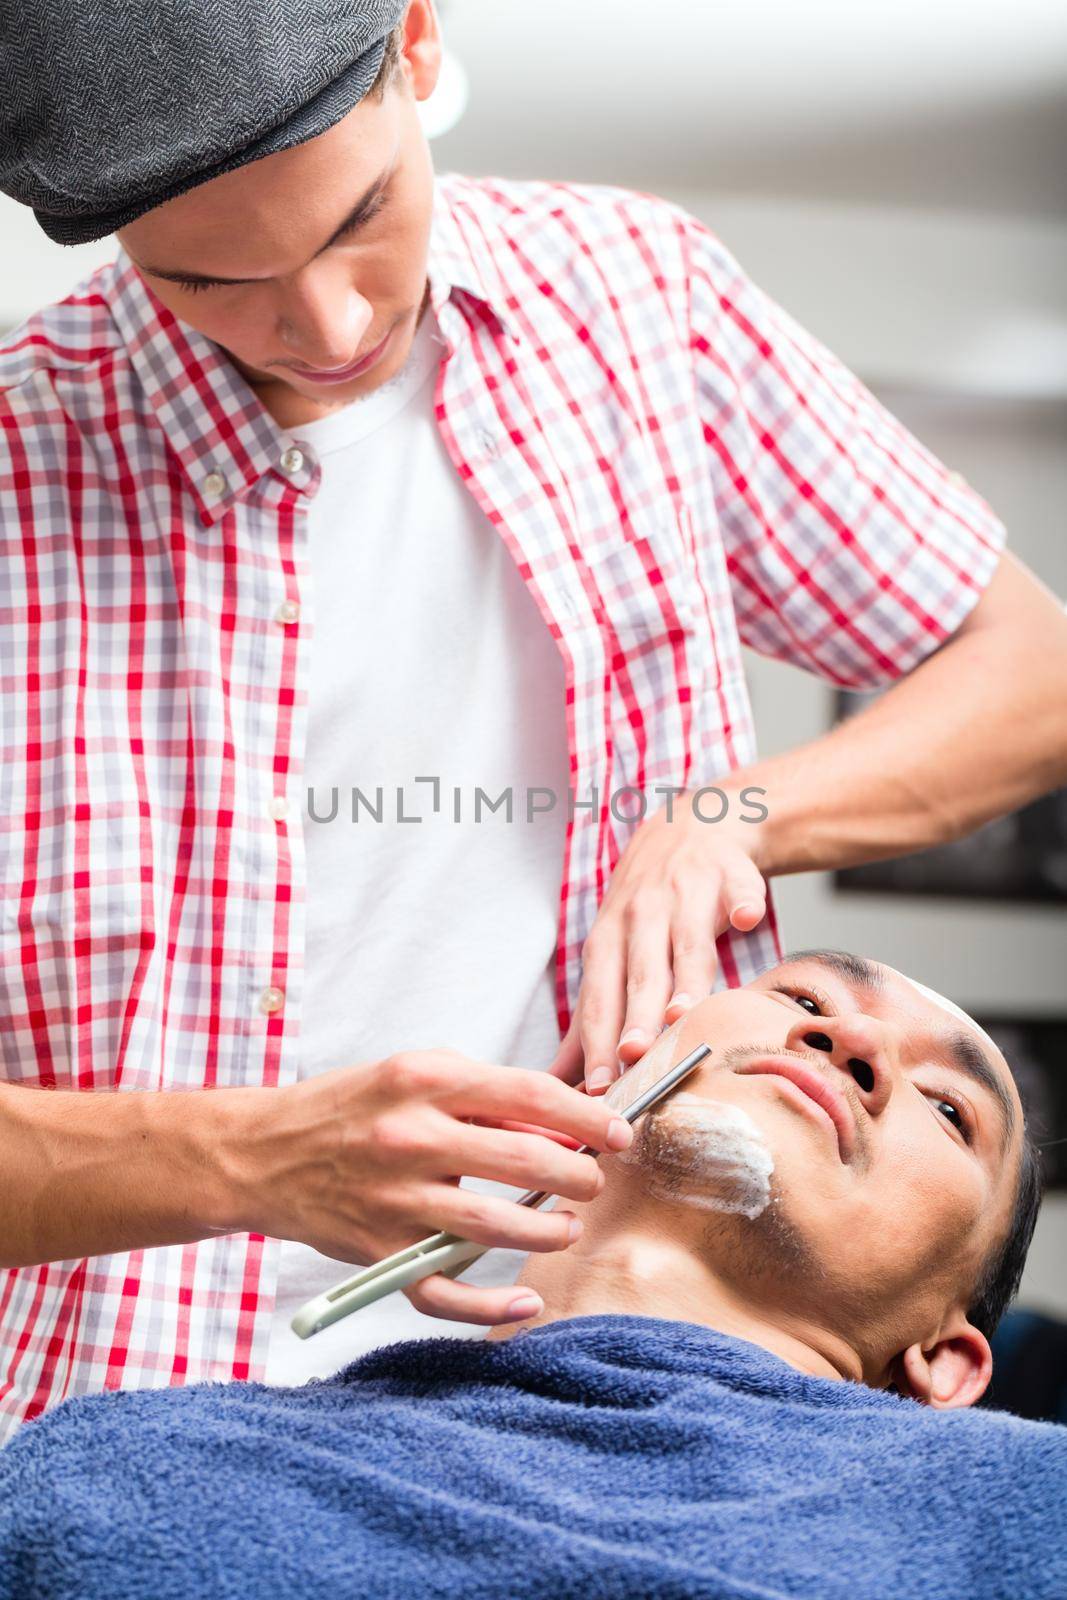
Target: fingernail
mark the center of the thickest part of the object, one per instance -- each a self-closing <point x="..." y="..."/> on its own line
<point x="633" y="1034"/>
<point x="681" y="999"/>
<point x="599" y="1078"/>
<point x="619" y="1135"/>
<point x="574" y="1229"/>
<point x="526" y="1305"/>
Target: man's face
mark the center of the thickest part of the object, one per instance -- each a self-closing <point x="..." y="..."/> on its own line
<point x="894" y="1130"/>
<point x="329" y="241"/>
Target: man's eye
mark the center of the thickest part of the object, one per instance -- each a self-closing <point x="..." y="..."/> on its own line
<point x="373" y="210"/>
<point x="962" y="1120"/>
<point x="799" y="994"/>
<point x="951" y="1112"/>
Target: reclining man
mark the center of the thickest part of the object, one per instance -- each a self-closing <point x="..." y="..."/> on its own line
<point x="752" y="1376"/>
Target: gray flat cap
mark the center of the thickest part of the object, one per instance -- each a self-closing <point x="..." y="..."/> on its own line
<point x="110" y="107"/>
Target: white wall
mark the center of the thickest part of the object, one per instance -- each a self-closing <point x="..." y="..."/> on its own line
<point x="947" y="106"/>
<point x="938" y="302"/>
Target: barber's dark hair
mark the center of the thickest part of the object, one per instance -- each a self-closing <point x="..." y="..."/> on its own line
<point x="998" y="1283"/>
<point x="389" y="64"/>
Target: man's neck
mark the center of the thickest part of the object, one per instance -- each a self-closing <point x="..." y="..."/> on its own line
<point x="633" y="1274"/>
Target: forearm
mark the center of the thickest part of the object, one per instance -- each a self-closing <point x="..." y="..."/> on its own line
<point x="92" y="1173"/>
<point x="977" y="730"/>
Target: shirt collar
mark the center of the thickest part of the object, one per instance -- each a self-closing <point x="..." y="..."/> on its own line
<point x="223" y="436"/>
<point x="462" y="257"/>
<point x="214" y="422"/>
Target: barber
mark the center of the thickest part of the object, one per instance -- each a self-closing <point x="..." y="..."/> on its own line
<point x="342" y="477"/>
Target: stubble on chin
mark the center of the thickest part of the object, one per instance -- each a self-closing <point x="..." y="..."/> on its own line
<point x="767" y="1250"/>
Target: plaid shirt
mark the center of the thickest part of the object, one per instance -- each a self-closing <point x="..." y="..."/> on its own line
<point x="675" y="466"/>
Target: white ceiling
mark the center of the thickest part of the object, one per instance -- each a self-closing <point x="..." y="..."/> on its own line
<point x="917" y="102"/>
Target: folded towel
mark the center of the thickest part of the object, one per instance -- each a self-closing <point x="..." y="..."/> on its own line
<point x="599" y="1457"/>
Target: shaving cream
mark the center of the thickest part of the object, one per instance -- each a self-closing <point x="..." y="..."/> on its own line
<point x="704" y="1153"/>
<point x="699" y="1152"/>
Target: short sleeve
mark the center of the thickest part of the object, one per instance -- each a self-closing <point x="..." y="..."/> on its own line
<point x="852" y="551"/>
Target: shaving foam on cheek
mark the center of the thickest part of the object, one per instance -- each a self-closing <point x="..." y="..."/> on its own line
<point x="704" y="1153"/>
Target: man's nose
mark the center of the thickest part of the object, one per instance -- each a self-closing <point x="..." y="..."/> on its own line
<point x="858" y="1047"/>
<point x="323" y="318"/>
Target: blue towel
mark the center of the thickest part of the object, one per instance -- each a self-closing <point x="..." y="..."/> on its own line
<point x="600" y="1457"/>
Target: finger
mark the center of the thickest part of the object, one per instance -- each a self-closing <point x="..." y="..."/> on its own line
<point x="529" y="1127"/>
<point x="648" y="984"/>
<point x="527" y="1161"/>
<point x="743" y="896"/>
<point x="517" y="1094"/>
<point x="749" y="910"/>
<point x="600" y="1010"/>
<point x="503" y="1225"/>
<point x="568" y="1062"/>
<point x="438" y="1296"/>
<point x="694" y="957"/>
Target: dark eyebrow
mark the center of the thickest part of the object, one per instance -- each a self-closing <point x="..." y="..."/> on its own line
<point x="352" y="220"/>
<point x="855" y="970"/>
<point x="967" y="1055"/>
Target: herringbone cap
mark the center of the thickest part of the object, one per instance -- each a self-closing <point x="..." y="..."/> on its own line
<point x="110" y="107"/>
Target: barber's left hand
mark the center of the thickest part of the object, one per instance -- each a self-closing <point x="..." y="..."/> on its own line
<point x="650" y="955"/>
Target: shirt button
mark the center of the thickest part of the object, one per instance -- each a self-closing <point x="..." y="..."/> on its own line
<point x="214" y="484"/>
<point x="288" y="611"/>
<point x="957" y="479"/>
<point x="271" y="1000"/>
<point x="292" y="460"/>
<point x="279" y="807"/>
<point x="488" y="442"/>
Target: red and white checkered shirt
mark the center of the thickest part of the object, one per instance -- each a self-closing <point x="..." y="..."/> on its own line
<point x="675" y="466"/>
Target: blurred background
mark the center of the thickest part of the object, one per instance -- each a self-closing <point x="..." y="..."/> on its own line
<point x="896" y="176"/>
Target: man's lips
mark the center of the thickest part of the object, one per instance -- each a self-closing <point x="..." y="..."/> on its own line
<point x="816" y="1087"/>
<point x="343" y="374"/>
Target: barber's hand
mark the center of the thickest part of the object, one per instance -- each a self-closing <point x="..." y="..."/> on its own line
<point x="650" y="955"/>
<point x="367" y="1159"/>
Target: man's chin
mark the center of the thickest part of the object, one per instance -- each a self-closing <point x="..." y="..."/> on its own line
<point x="706" y="1153"/>
<point x="746" y="1150"/>
<point x="270" y="383"/>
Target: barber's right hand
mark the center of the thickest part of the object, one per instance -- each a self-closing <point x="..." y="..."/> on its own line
<point x="365" y="1160"/>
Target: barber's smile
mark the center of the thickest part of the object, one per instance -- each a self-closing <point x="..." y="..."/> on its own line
<point x="809" y="1088"/>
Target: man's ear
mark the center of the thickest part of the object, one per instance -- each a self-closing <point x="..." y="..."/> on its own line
<point x="421" y="50"/>
<point x="947" y="1372"/>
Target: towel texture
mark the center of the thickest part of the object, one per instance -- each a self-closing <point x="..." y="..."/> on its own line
<point x="604" y="1456"/>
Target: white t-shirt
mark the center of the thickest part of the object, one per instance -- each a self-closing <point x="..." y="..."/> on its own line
<point x="430" y="659"/>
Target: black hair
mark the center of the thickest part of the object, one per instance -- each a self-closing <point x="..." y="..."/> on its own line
<point x="998" y="1282"/>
